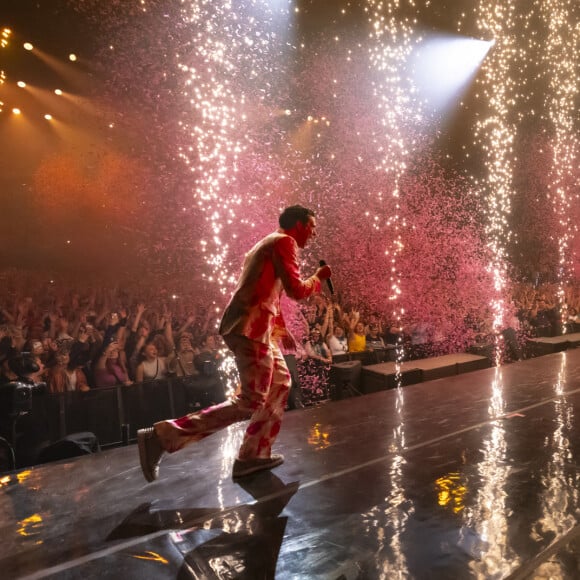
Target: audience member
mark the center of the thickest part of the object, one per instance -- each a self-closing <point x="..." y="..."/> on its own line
<point x="209" y="358"/>
<point x="335" y="337"/>
<point x="374" y="340"/>
<point x="109" y="369"/>
<point x="337" y="341"/>
<point x="152" y="366"/>
<point x="543" y="318"/>
<point x="357" y="340"/>
<point x="181" y="361"/>
<point x="316" y="349"/>
<point x="65" y="376"/>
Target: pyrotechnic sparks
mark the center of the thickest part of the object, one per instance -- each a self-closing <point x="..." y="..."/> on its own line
<point x="560" y="63"/>
<point x="520" y="49"/>
<point x="231" y="46"/>
<point x="496" y="133"/>
<point x="271" y="115"/>
<point x="393" y="43"/>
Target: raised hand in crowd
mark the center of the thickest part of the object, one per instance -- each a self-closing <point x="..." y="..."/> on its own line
<point x="140" y="310"/>
<point x="109" y="368"/>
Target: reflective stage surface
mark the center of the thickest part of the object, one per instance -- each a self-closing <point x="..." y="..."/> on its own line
<point x="472" y="476"/>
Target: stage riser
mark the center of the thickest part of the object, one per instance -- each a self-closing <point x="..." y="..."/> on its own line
<point x="382" y="377"/>
<point x="535" y="349"/>
<point x="548" y="345"/>
<point x="372" y="382"/>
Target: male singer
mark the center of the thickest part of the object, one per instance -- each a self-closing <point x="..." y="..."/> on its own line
<point x="251" y="326"/>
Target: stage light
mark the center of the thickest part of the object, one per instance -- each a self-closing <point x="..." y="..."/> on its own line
<point x="72" y="57"/>
<point x="57" y="92"/>
<point x="48" y="117"/>
<point x="21" y="84"/>
<point x="17" y="111"/>
<point x="5" y="37"/>
<point x="28" y="46"/>
<point x="443" y="67"/>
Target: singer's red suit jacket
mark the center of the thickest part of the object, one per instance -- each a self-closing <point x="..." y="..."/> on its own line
<point x="270" y="268"/>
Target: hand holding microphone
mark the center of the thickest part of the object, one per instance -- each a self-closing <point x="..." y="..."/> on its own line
<point x="324" y="273"/>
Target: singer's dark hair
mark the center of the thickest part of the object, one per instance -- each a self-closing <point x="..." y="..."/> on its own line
<point x="294" y="214"/>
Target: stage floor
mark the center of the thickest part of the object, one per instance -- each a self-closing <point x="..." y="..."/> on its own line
<point x="470" y="476"/>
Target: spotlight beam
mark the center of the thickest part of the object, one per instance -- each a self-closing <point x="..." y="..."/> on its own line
<point x="444" y="66"/>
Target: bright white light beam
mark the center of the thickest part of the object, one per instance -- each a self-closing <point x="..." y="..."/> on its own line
<point x="444" y="66"/>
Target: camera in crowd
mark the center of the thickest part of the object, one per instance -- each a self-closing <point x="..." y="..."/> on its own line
<point x="16" y="396"/>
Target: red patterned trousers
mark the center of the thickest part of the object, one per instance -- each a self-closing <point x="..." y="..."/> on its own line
<point x="265" y="383"/>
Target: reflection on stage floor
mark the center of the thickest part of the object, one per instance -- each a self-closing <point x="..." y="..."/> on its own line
<point x="469" y="476"/>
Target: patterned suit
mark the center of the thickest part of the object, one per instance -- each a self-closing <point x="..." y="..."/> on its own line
<point x="251" y="326"/>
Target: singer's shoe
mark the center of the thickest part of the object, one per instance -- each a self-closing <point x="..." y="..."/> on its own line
<point x="150" y="453"/>
<point x="249" y="466"/>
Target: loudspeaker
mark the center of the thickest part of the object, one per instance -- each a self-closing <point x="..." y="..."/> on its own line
<point x="73" y="445"/>
<point x="345" y="379"/>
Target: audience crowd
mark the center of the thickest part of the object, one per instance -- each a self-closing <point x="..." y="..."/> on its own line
<point x="104" y="338"/>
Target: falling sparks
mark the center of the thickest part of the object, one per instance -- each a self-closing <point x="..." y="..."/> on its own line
<point x="264" y="111"/>
<point x="560" y="64"/>
<point x="519" y="51"/>
<point x="496" y="133"/>
<point x="228" y="43"/>
<point x="390" y="51"/>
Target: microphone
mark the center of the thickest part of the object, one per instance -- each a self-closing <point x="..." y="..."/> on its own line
<point x="328" y="280"/>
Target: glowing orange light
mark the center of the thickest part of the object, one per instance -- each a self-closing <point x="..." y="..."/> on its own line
<point x="48" y="117"/>
<point x="17" y="111"/>
<point x="23" y="475"/>
<point x="152" y="556"/>
<point x="5" y="37"/>
<point x="30" y="526"/>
